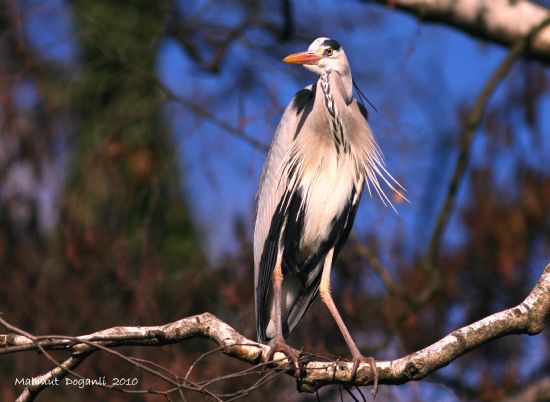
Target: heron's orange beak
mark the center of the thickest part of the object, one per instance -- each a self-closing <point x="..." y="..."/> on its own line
<point x="307" y="57"/>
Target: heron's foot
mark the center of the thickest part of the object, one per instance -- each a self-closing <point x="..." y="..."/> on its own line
<point x="356" y="359"/>
<point x="291" y="354"/>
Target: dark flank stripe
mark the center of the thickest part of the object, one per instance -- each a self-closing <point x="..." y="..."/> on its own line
<point x="301" y="99"/>
<point x="303" y="103"/>
<point x="267" y="265"/>
<point x="363" y="111"/>
<point x="347" y="218"/>
<point x="294" y="230"/>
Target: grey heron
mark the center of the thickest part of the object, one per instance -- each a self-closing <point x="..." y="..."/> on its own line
<point x="322" y="155"/>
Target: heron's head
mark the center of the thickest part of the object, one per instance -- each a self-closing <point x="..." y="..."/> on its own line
<point x="322" y="55"/>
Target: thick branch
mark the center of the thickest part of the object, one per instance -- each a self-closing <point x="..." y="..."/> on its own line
<point x="499" y="21"/>
<point x="529" y="317"/>
<point x="43" y="381"/>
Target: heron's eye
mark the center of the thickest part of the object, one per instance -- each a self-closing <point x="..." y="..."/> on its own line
<point x="329" y="52"/>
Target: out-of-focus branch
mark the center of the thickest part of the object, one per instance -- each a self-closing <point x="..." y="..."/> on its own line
<point x="205" y="113"/>
<point x="538" y="391"/>
<point x="472" y="122"/>
<point x="288" y="17"/>
<point x="178" y="29"/>
<point x="529" y="317"/>
<point x="499" y="21"/>
<point x="382" y="272"/>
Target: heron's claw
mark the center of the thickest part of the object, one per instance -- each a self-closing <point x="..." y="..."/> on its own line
<point x="372" y="363"/>
<point x="291" y="354"/>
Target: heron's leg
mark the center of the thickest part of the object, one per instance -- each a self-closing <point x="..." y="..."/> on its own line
<point x="279" y="344"/>
<point x="326" y="296"/>
<point x="277" y="285"/>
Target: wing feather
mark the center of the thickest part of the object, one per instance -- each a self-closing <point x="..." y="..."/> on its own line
<point x="271" y="204"/>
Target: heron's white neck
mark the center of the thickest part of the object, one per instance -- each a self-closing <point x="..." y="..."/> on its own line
<point x="345" y="87"/>
<point x="345" y="76"/>
<point x="348" y="86"/>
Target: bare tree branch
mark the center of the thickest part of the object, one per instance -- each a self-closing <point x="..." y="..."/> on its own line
<point x="529" y="317"/>
<point x="499" y="21"/>
<point x="45" y="380"/>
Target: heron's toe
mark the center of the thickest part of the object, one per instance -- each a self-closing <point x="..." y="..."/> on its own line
<point x="280" y="352"/>
<point x="372" y="363"/>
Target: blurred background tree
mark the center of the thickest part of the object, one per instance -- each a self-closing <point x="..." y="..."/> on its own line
<point x="132" y="134"/>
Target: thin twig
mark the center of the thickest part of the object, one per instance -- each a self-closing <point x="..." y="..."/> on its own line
<point x="203" y="112"/>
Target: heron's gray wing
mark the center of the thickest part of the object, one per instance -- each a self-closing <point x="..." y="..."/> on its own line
<point x="271" y="203"/>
